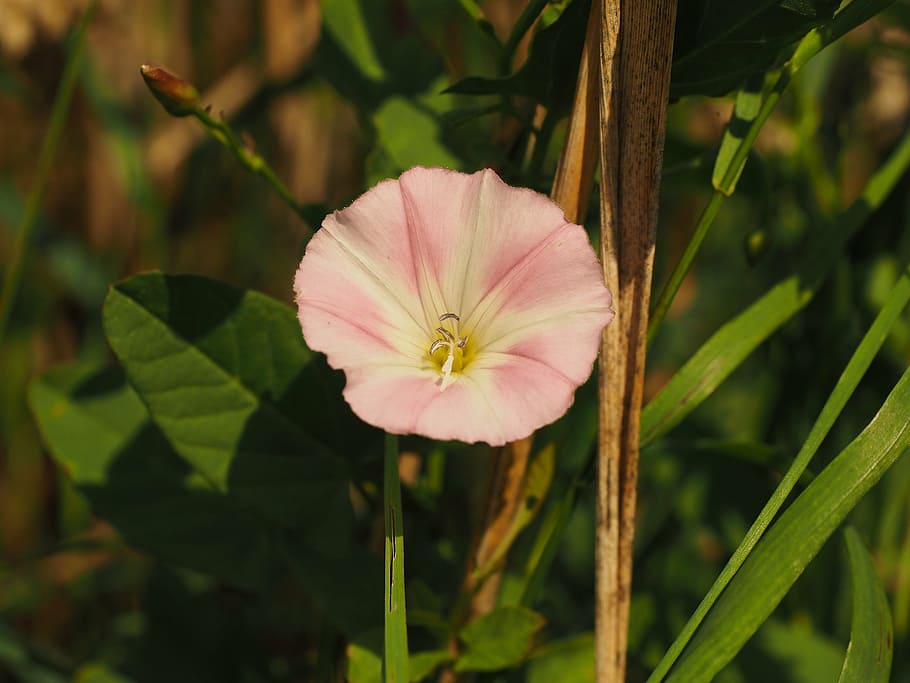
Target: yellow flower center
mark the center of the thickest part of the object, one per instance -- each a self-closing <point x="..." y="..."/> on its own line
<point x="449" y="351"/>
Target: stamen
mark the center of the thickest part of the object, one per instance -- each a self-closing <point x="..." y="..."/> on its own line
<point x="448" y="339"/>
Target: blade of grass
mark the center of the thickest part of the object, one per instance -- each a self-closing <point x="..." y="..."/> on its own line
<point x="871" y="634"/>
<point x="46" y="156"/>
<point x="846" y="384"/>
<point x="730" y="345"/>
<point x="395" y="642"/>
<point x="791" y="543"/>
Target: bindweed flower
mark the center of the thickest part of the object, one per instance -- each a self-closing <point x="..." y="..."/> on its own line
<point x="458" y="307"/>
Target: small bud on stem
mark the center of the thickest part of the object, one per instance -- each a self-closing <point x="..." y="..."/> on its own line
<point x="175" y="94"/>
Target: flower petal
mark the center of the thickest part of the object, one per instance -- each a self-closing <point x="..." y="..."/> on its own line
<point x="468" y="231"/>
<point x="408" y="401"/>
<point x="356" y="288"/>
<point x="501" y="400"/>
<point x="551" y="307"/>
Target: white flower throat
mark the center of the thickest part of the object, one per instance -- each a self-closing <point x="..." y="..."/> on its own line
<point x="450" y="340"/>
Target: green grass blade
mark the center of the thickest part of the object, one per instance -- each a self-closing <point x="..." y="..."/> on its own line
<point x="791" y="543"/>
<point x="846" y="384"/>
<point x="395" y="642"/>
<point x="871" y="646"/>
<point x="730" y="345"/>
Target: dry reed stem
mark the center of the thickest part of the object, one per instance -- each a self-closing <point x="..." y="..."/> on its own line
<point x="636" y="52"/>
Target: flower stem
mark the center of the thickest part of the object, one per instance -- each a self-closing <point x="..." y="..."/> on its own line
<point x="256" y="164"/>
<point x="180" y="98"/>
<point x="45" y="159"/>
<point x="395" y="642"/>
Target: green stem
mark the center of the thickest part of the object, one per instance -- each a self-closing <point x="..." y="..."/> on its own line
<point x="254" y="163"/>
<point x="669" y="290"/>
<point x="46" y="156"/>
<point x="725" y="189"/>
<point x="846" y="384"/>
<point x="395" y="642"/>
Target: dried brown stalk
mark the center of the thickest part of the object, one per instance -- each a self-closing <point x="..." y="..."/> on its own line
<point x="636" y="50"/>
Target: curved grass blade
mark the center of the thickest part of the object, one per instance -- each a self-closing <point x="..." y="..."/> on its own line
<point x="791" y="543"/>
<point x="871" y="646"/>
<point x="846" y="384"/>
<point x="733" y="342"/>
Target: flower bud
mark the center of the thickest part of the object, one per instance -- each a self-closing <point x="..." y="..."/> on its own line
<point x="175" y="94"/>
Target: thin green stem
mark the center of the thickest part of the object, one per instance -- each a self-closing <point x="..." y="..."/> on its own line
<point x="669" y="290"/>
<point x="254" y="163"/>
<point x="846" y="384"/>
<point x="395" y="642"/>
<point x="46" y="156"/>
<point x="710" y="211"/>
<point x="522" y="25"/>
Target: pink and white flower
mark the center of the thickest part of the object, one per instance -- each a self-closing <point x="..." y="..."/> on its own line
<point x="458" y="307"/>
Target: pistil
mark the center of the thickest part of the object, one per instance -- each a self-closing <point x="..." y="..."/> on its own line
<point x="451" y="341"/>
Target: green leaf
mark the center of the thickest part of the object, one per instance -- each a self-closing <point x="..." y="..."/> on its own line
<point x="570" y="660"/>
<point x="733" y="342"/>
<point x="718" y="45"/>
<point x="96" y="427"/>
<point x="366" y="57"/>
<point x="422" y="664"/>
<point x="350" y="22"/>
<point x="499" y="639"/>
<point x="791" y="543"/>
<point x="364" y="664"/>
<point x="745" y="110"/>
<point x="410" y="135"/>
<point x="871" y="646"/>
<point x="554" y="54"/>
<point x="226" y="376"/>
